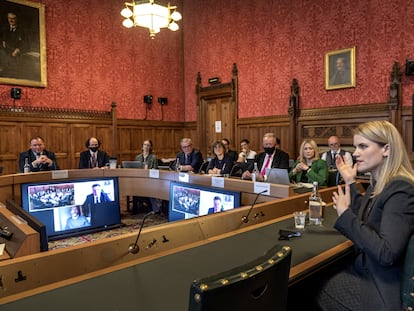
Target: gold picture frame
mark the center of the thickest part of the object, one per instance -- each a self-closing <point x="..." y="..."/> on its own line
<point x="23" y="48"/>
<point x="340" y="69"/>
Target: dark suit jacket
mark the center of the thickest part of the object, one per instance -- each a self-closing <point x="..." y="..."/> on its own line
<point x="280" y="160"/>
<point x="380" y="229"/>
<point x="195" y="160"/>
<point x="85" y="159"/>
<point x="31" y="157"/>
<point x="90" y="198"/>
<point x="227" y="163"/>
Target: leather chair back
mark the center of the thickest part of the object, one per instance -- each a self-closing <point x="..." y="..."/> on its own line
<point x="407" y="284"/>
<point x="258" y="285"/>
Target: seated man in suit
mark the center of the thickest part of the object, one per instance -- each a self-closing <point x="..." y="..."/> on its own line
<point x="93" y="157"/>
<point x="38" y="157"/>
<point x="190" y="159"/>
<point x="232" y="153"/>
<point x="218" y="207"/>
<point x="272" y="157"/>
<point x="335" y="149"/>
<point x="97" y="196"/>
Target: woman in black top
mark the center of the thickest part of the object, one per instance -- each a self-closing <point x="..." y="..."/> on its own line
<point x="221" y="163"/>
<point x="379" y="223"/>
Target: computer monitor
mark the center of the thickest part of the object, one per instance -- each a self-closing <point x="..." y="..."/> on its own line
<point x="74" y="206"/>
<point x="278" y="176"/>
<point x="189" y="200"/>
<point x="132" y="164"/>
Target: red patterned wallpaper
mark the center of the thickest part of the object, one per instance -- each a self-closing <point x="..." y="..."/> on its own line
<point x="93" y="60"/>
<point x="273" y="42"/>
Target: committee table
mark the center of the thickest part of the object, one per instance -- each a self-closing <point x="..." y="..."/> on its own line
<point x="163" y="283"/>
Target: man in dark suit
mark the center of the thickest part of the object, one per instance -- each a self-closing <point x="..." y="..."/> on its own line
<point x="12" y="43"/>
<point x="190" y="159"/>
<point x="97" y="196"/>
<point x="272" y="157"/>
<point x="38" y="158"/>
<point x="93" y="157"/>
<point x="218" y="207"/>
<point x="232" y="153"/>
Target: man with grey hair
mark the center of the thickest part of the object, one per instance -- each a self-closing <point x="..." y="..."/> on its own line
<point x="272" y="157"/>
<point x="190" y="159"/>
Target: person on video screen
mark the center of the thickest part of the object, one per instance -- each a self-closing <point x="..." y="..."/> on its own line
<point x="97" y="196"/>
<point x="218" y="207"/>
<point x="76" y="220"/>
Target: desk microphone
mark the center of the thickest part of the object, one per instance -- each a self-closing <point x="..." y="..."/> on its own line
<point x="245" y="219"/>
<point x="134" y="248"/>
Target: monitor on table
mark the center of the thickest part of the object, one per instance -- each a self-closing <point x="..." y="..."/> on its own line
<point x="74" y="206"/>
<point x="189" y="200"/>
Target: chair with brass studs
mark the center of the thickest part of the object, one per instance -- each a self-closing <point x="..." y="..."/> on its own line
<point x="407" y="284"/>
<point x="258" y="285"/>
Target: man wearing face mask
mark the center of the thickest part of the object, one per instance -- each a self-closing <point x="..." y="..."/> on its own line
<point x="93" y="157"/>
<point x="272" y="157"/>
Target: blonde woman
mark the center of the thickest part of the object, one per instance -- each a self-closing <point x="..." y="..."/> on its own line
<point x="379" y="223"/>
<point x="309" y="167"/>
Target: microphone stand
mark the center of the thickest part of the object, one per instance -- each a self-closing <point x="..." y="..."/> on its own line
<point x="134" y="248"/>
<point x="245" y="219"/>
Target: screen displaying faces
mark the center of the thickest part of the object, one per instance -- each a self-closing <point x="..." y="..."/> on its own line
<point x="73" y="206"/>
<point x="188" y="201"/>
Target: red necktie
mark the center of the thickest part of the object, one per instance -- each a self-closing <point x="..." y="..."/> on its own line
<point x="263" y="172"/>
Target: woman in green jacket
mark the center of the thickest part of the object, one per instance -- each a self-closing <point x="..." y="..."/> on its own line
<point x="309" y="167"/>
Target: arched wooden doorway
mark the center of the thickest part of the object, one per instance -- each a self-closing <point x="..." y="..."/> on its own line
<point x="217" y="113"/>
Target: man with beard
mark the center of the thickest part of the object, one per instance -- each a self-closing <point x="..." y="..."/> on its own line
<point x="272" y="157"/>
<point x="93" y="157"/>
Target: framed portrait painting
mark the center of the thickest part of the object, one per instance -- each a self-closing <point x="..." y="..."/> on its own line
<point x="340" y="69"/>
<point x="23" y="43"/>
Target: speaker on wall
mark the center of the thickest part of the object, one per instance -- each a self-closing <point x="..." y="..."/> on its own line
<point x="16" y="93"/>
<point x="148" y="99"/>
<point x="409" y="67"/>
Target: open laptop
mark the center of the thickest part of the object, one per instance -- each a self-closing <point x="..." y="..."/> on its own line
<point x="132" y="164"/>
<point x="278" y="176"/>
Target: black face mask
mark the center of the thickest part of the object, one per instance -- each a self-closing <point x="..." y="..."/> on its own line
<point x="269" y="150"/>
<point x="93" y="149"/>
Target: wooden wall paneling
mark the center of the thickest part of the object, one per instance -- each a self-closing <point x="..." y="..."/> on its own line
<point x="321" y="123"/>
<point x="190" y="130"/>
<point x="128" y="137"/>
<point x="57" y="139"/>
<point x="79" y="134"/>
<point x="254" y="129"/>
<point x="104" y="134"/>
<point x="407" y="131"/>
<point x="9" y="146"/>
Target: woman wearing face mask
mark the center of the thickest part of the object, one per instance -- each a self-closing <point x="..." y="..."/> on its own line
<point x="379" y="223"/>
<point x="309" y="167"/>
<point x="93" y="157"/>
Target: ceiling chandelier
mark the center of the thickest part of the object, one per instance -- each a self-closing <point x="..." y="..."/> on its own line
<point x="149" y="14"/>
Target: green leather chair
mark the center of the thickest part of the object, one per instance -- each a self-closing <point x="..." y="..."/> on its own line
<point x="407" y="284"/>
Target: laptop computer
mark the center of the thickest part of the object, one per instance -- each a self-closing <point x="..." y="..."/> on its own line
<point x="132" y="164"/>
<point x="278" y="176"/>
